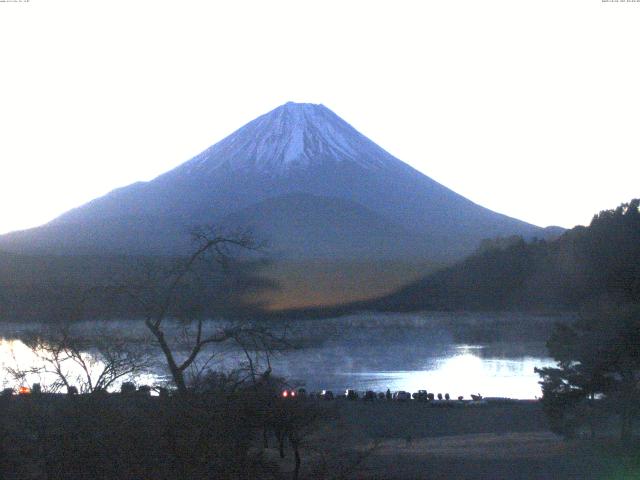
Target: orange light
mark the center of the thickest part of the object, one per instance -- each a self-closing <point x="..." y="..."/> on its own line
<point x="24" y="391"/>
<point x="285" y="394"/>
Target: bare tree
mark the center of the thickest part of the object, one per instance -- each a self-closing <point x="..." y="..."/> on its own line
<point x="186" y="292"/>
<point x="91" y="362"/>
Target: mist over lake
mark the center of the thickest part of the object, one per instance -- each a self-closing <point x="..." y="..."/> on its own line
<point x="446" y="353"/>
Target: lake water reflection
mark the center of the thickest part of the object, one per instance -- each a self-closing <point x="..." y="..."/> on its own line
<point x="398" y="353"/>
<point x="456" y="369"/>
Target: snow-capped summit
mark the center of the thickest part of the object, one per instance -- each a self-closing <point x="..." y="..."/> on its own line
<point x="304" y="179"/>
<point x="292" y="136"/>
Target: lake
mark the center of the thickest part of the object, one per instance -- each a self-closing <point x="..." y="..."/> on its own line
<point x="367" y="352"/>
<point x="456" y="369"/>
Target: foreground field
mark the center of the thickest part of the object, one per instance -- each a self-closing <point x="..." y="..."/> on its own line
<point x="415" y="441"/>
<point x="135" y="436"/>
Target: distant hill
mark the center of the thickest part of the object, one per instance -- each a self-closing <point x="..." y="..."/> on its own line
<point x="585" y="263"/>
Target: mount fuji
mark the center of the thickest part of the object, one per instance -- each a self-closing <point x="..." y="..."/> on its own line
<point x="304" y="180"/>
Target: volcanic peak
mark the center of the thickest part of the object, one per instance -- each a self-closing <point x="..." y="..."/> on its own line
<point x="293" y="136"/>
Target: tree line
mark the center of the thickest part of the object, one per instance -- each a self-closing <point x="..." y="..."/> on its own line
<point x="584" y="263"/>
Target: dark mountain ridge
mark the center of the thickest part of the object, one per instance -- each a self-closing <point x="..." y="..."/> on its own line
<point x="583" y="265"/>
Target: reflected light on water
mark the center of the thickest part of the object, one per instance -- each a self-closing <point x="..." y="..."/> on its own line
<point x="15" y="355"/>
<point x="457" y="370"/>
<point x="464" y="373"/>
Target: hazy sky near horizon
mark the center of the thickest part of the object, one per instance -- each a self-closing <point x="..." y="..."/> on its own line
<point x="530" y="108"/>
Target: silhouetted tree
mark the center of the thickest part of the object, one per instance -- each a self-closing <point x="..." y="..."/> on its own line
<point x="598" y="367"/>
<point x="189" y="292"/>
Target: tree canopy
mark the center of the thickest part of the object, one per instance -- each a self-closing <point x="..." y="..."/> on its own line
<point x="598" y="368"/>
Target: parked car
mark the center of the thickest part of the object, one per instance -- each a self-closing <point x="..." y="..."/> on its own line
<point x="289" y="394"/>
<point x="127" y="388"/>
<point x="401" y="396"/>
<point x="369" y="395"/>
<point x="144" y="390"/>
<point x="326" y="395"/>
<point x="421" y="396"/>
<point x="351" y="394"/>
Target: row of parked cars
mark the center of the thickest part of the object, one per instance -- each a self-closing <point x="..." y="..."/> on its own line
<point x="370" y="395"/>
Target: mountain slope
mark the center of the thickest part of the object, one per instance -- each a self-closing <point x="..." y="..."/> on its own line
<point x="295" y="149"/>
<point x="340" y="229"/>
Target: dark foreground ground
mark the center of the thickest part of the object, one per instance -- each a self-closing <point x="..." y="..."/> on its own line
<point x="414" y="441"/>
<point x="146" y="438"/>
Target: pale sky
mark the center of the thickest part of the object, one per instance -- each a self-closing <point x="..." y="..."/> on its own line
<point x="528" y="107"/>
